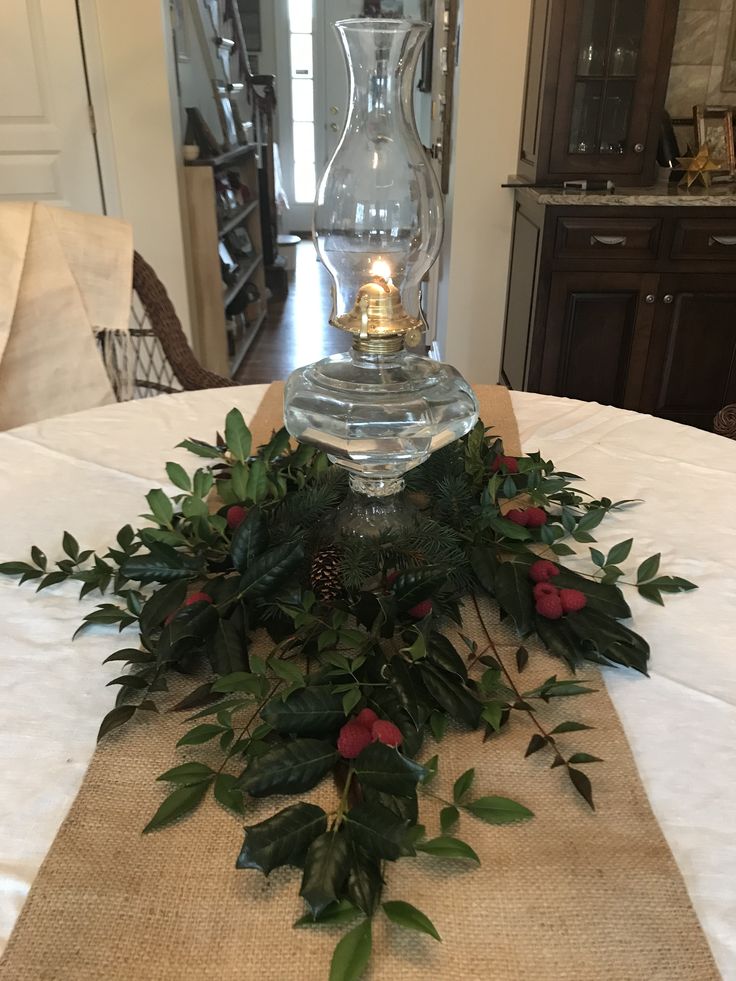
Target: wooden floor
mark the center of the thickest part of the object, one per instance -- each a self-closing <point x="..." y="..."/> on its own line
<point x="296" y="331"/>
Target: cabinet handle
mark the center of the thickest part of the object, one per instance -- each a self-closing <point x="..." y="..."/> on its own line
<point x="608" y="240"/>
<point x="650" y="298"/>
<point x="638" y="148"/>
<point x="668" y="298"/>
<point x="721" y="240"/>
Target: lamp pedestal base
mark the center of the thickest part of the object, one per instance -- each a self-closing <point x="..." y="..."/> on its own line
<point x="374" y="508"/>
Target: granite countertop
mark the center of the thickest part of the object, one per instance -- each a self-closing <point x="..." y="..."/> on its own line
<point x="718" y="195"/>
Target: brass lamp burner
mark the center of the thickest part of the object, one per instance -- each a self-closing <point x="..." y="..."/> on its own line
<point x="378" y="321"/>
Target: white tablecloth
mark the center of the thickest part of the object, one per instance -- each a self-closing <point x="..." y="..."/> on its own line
<point x="88" y="473"/>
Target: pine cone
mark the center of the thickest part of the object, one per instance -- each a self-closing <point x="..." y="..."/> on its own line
<point x="325" y="574"/>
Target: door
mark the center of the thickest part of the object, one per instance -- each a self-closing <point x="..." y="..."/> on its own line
<point x="609" y="59"/>
<point x="47" y="150"/>
<point x="597" y="336"/>
<point x="691" y="368"/>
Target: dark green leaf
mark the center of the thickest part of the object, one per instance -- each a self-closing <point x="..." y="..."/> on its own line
<point x="536" y="743"/>
<point x="651" y="593"/>
<point x="415" y="585"/>
<point x="449" y="817"/>
<point x="352" y="954"/>
<point x="325" y="870"/>
<point x="52" y="579"/>
<point x="39" y="558"/>
<point x="289" y="768"/>
<point x="340" y="912"/>
<point x="70" y="546"/>
<point x="386" y="769"/>
<point x="598" y="557"/>
<point x="364" y="883"/>
<point x="570" y="727"/>
<point x="447" y="847"/>
<point x="178" y="476"/>
<point x="441" y="652"/>
<point x="249" y="539"/>
<point x="582" y="784"/>
<point x="200" y="734"/>
<point x="180" y="802"/>
<point x="584" y="758"/>
<point x="237" y="435"/>
<point x="164" y="601"/>
<point x="188" y="773"/>
<point x="462" y="785"/>
<point x="649" y="568"/>
<point x="619" y="553"/>
<point x="410" y="918"/>
<point x="522" y="659"/>
<point x="514" y="594"/>
<point x="492" y="714"/>
<point x="452" y="696"/>
<point x="199" y="448"/>
<point x="227" y="794"/>
<point x="313" y="710"/>
<point x="602" y="598"/>
<point x="160" y="505"/>
<point x="498" y="810"/>
<point x="282" y="839"/>
<point x="116" y="717"/>
<point x="267" y="571"/>
<point x="509" y="529"/>
<point x="485" y="565"/>
<point x="17" y="568"/>
<point x="378" y="831"/>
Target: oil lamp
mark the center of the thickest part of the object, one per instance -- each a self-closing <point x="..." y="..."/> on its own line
<point x="378" y="410"/>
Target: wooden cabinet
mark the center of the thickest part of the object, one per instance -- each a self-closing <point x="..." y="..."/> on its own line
<point x="226" y="255"/>
<point x="596" y="81"/>
<point x="628" y="306"/>
<point x="691" y="364"/>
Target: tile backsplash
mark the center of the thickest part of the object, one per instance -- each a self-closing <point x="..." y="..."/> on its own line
<point x="704" y="35"/>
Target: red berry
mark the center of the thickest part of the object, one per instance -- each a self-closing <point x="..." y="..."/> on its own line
<point x="536" y="517"/>
<point x="545" y="589"/>
<point x="572" y="600"/>
<point x="387" y="733"/>
<point x="549" y="607"/>
<point x="366" y="717"/>
<point x="421" y="610"/>
<point x="353" y="739"/>
<point x="518" y="517"/>
<point x="505" y="461"/>
<point x="391" y="577"/>
<point x="235" y="516"/>
<point x="542" y="570"/>
<point x="197" y="598"/>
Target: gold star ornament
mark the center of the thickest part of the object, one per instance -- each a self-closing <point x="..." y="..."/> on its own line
<point x="699" y="167"/>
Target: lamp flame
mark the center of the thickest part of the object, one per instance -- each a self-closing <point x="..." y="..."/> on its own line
<point x="381" y="270"/>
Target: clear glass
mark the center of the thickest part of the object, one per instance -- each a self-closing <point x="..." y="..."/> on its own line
<point x="379" y="204"/>
<point x="377" y="410"/>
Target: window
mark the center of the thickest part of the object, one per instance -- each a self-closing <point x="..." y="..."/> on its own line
<point x="302" y="99"/>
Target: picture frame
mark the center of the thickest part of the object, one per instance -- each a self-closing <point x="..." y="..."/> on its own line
<point x="426" y="64"/>
<point x="390" y="9"/>
<point x="714" y="125"/>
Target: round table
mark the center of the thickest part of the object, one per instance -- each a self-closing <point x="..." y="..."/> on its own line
<point x="88" y="473"/>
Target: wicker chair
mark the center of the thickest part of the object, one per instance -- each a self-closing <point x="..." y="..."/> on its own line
<point x="163" y="361"/>
<point x="725" y="422"/>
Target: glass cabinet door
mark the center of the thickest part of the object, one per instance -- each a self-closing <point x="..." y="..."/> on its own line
<point x="605" y="49"/>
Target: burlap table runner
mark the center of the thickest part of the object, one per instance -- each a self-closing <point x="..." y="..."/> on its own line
<point x="568" y="895"/>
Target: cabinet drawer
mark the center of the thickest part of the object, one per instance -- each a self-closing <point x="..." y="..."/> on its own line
<point x="705" y="238"/>
<point x="611" y="238"/>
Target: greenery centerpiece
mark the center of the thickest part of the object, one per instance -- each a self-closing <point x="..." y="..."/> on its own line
<point x="312" y="655"/>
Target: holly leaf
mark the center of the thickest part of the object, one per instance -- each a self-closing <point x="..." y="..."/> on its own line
<point x="325" y="870"/>
<point x="313" y="710"/>
<point x="237" y="435"/>
<point x="514" y="594"/>
<point x="281" y="839"/>
<point x="249" y="539"/>
<point x="269" y="570"/>
<point x="378" y="831"/>
<point x="386" y="769"/>
<point x="289" y="768"/>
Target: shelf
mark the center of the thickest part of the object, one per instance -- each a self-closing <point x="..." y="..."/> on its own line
<point x="606" y="78"/>
<point x="223" y="159"/>
<point x="238" y="217"/>
<point x="232" y="291"/>
<point x="250" y="335"/>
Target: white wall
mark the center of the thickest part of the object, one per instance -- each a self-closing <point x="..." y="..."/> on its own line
<point x="487" y="120"/>
<point x="133" y="88"/>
